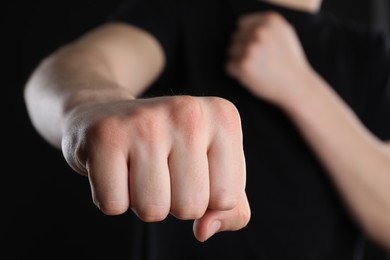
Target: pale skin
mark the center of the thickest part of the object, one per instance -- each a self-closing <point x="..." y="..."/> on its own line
<point x="265" y="45"/>
<point x="135" y="151"/>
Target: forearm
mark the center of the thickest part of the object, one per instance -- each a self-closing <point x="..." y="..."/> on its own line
<point x="111" y="63"/>
<point x="63" y="80"/>
<point x="272" y="65"/>
<point x="356" y="160"/>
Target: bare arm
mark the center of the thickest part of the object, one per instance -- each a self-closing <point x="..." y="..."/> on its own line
<point x="269" y="61"/>
<point x="166" y="155"/>
<point x="114" y="61"/>
<point x="357" y="161"/>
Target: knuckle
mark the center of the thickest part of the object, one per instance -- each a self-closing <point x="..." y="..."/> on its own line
<point x="223" y="104"/>
<point x="113" y="208"/>
<point x="247" y="19"/>
<point x="271" y="16"/>
<point x="259" y="32"/>
<point x="262" y="36"/>
<point x="105" y="129"/>
<point x="145" y="125"/>
<point x="227" y="114"/>
<point x="186" y="108"/>
<point x="151" y="213"/>
<point x="188" y="213"/>
<point x="188" y="115"/>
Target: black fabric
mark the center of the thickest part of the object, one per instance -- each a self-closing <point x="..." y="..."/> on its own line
<point x="296" y="211"/>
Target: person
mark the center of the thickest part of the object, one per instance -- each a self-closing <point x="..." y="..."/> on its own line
<point x="266" y="118"/>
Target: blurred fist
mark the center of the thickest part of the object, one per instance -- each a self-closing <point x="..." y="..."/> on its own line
<point x="266" y="56"/>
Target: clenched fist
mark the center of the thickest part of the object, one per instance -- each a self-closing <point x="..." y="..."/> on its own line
<point x="265" y="55"/>
<point x="181" y="155"/>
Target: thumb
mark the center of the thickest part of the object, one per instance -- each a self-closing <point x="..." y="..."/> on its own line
<point x="214" y="221"/>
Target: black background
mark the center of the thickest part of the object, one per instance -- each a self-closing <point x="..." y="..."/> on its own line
<point x="44" y="202"/>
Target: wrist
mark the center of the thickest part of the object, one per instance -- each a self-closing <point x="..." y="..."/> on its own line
<point x="316" y="99"/>
<point x="94" y="96"/>
<point x="302" y="88"/>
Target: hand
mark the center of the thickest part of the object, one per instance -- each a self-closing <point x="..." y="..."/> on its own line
<point x="266" y="57"/>
<point x="181" y="155"/>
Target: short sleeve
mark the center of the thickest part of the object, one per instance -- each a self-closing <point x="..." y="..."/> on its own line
<point x="158" y="17"/>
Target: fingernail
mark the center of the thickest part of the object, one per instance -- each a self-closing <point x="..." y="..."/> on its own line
<point x="213" y="228"/>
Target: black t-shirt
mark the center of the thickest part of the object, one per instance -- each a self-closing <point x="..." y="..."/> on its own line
<point x="296" y="211"/>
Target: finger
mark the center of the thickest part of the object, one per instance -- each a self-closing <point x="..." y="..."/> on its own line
<point x="227" y="175"/>
<point x="215" y="221"/>
<point x="226" y="161"/>
<point x="240" y="42"/>
<point x="189" y="180"/>
<point x="236" y="50"/>
<point x="149" y="184"/>
<point x="251" y="20"/>
<point x="108" y="176"/>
